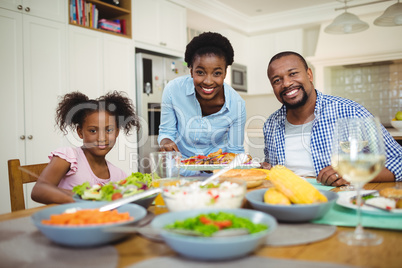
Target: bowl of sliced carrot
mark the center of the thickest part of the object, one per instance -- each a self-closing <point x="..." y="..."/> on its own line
<point x="83" y="225"/>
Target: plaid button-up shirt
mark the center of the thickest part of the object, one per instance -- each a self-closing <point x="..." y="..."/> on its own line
<point x="328" y="109"/>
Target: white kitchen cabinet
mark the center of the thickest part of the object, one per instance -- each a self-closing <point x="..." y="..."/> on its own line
<point x="159" y="25"/>
<point x="100" y="63"/>
<point x="32" y="76"/>
<point x="262" y="49"/>
<point x="47" y="9"/>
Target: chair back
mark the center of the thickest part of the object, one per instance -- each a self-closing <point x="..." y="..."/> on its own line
<point x="19" y="175"/>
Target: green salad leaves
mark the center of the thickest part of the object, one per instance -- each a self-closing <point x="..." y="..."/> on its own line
<point x="135" y="183"/>
<point x="207" y="224"/>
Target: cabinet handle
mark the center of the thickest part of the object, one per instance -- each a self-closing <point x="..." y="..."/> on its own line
<point x="27" y="9"/>
<point x="22" y="137"/>
<point x="19" y="7"/>
<point x="30" y="137"/>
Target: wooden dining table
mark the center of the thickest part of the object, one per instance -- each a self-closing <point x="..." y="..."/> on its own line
<point x="388" y="254"/>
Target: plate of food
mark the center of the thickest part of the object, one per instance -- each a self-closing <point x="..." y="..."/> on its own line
<point x="387" y="202"/>
<point x="215" y="160"/>
<point x="135" y="183"/>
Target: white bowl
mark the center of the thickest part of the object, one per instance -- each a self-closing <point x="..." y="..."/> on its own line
<point x="84" y="236"/>
<point x="209" y="248"/>
<point x="190" y="196"/>
<point x="295" y="212"/>
<point x="397" y="124"/>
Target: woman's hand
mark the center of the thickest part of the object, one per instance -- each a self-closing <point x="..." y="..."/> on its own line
<point x="167" y="145"/>
<point x="328" y="176"/>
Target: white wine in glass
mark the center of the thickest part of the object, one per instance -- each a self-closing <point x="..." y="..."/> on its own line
<point x="345" y="146"/>
<point x="360" y="163"/>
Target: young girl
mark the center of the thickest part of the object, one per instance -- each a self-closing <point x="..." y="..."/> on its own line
<point x="97" y="123"/>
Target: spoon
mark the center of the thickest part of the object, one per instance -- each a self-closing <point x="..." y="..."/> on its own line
<point x="231" y="232"/>
<point x="156" y="232"/>
<point x="237" y="161"/>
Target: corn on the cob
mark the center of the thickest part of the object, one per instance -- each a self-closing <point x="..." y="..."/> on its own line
<point x="299" y="191"/>
<point x="274" y="197"/>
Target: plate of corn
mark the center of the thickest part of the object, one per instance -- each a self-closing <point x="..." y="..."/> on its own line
<point x="291" y="199"/>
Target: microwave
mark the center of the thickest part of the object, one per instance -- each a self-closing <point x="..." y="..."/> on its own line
<point x="239" y="77"/>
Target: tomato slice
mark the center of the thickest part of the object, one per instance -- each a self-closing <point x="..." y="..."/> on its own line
<point x="205" y="220"/>
<point x="116" y="196"/>
<point x="223" y="224"/>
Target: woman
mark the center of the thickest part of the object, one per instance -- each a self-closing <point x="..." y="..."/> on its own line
<point x="200" y="113"/>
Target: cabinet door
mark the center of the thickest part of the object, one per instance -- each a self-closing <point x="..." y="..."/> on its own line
<point x="172" y="26"/>
<point x="146" y="21"/>
<point x="86" y="61"/>
<point x="44" y="82"/>
<point x="13" y="5"/>
<point x="160" y="24"/>
<point x="11" y="98"/>
<point x="49" y="9"/>
<point x="119" y="75"/>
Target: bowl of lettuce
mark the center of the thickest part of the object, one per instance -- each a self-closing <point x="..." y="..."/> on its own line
<point x="135" y="183"/>
<point x="207" y="221"/>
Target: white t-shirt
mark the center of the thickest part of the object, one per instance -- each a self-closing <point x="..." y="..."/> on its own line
<point x="297" y="149"/>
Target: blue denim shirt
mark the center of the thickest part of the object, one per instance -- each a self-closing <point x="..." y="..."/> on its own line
<point x="194" y="134"/>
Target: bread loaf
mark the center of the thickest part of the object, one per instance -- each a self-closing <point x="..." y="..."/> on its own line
<point x="253" y="177"/>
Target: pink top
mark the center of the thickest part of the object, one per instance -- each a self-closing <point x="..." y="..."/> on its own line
<point x="80" y="171"/>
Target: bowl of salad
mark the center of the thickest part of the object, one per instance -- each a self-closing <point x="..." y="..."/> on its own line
<point x="208" y="247"/>
<point x="135" y="183"/>
<point x="222" y="193"/>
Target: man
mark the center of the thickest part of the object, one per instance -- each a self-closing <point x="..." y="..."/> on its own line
<point x="299" y="134"/>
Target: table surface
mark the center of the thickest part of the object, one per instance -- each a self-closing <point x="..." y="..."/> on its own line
<point x="388" y="254"/>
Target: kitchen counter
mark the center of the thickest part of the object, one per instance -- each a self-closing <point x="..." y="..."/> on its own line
<point x="397" y="134"/>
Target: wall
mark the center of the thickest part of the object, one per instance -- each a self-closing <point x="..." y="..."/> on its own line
<point x="373" y="45"/>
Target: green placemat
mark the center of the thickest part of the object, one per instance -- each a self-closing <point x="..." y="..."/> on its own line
<point x="319" y="186"/>
<point x="342" y="216"/>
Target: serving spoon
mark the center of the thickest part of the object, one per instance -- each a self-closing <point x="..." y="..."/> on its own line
<point x="237" y="161"/>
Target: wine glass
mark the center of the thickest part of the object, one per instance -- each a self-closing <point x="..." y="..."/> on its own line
<point x="345" y="146"/>
<point x="360" y="163"/>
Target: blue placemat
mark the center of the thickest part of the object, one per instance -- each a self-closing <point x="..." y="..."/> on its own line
<point x="319" y="186"/>
<point x="341" y="216"/>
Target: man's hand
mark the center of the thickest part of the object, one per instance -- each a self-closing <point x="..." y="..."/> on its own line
<point x="266" y="165"/>
<point x="328" y="176"/>
<point x="167" y="145"/>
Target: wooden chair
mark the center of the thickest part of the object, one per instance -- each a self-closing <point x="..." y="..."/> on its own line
<point x="19" y="175"/>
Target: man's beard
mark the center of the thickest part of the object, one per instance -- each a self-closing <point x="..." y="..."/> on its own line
<point x="297" y="104"/>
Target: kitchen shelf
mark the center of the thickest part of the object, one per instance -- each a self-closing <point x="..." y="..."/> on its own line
<point x="110" y="12"/>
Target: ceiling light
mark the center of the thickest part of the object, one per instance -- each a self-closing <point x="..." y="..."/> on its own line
<point x="346" y="23"/>
<point x="392" y="16"/>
